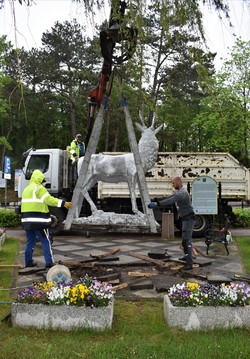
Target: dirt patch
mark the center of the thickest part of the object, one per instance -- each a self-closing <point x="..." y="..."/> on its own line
<point x="136" y="281"/>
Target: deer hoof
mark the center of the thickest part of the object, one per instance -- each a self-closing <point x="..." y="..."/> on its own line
<point x="139" y="214"/>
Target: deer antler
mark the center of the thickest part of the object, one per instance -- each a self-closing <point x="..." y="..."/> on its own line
<point x="153" y="120"/>
<point x="142" y="118"/>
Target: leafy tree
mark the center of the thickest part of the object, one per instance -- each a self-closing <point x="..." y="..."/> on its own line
<point x="218" y="125"/>
<point x="224" y="118"/>
<point x="64" y="51"/>
<point x="57" y="79"/>
<point x="236" y="73"/>
<point x="173" y="73"/>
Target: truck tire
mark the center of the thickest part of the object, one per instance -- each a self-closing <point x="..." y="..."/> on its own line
<point x="58" y="216"/>
<point x="201" y="225"/>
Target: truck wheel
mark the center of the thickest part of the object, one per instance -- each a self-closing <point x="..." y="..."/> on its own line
<point x="58" y="216"/>
<point x="201" y="225"/>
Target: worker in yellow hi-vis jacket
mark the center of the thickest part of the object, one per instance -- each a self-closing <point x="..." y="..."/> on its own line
<point x="35" y="217"/>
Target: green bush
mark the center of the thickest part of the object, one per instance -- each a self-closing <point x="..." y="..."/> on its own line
<point x="243" y="217"/>
<point x="9" y="218"/>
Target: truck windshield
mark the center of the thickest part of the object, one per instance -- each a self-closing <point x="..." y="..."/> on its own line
<point x="37" y="162"/>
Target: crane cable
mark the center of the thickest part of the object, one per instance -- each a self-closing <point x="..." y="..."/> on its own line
<point x="20" y="78"/>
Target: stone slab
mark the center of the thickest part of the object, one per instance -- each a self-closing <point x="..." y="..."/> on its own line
<point x="203" y="262"/>
<point x="218" y="279"/>
<point x="141" y="284"/>
<point x="109" y="277"/>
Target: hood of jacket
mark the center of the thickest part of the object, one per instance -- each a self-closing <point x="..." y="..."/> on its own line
<point x="37" y="177"/>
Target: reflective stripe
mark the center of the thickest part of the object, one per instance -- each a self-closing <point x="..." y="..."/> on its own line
<point x="34" y="197"/>
<point x="29" y="200"/>
<point x="44" y="196"/>
<point x="36" y="200"/>
<point x="36" y="219"/>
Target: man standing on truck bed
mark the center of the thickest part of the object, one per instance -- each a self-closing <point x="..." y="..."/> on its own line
<point x="35" y="217"/>
<point x="186" y="212"/>
<point x="75" y="151"/>
<point x="77" y="148"/>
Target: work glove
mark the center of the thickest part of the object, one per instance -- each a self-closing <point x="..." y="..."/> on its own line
<point x="67" y="205"/>
<point x="152" y="205"/>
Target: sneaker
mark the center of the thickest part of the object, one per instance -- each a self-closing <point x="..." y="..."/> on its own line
<point x="32" y="264"/>
<point x="50" y="265"/>
<point x="187" y="267"/>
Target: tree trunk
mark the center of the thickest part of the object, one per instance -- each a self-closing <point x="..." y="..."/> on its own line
<point x="72" y="112"/>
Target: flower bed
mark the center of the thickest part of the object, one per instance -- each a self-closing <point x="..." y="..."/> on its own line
<point x="193" y="306"/>
<point x="86" y="304"/>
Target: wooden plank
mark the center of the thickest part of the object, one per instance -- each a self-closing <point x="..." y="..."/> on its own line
<point x="106" y="254"/>
<point x="147" y="259"/>
<point x="177" y="267"/>
<point x="141" y="274"/>
<point x="196" y="250"/>
<point x="120" y="286"/>
<point x="158" y="254"/>
<point x="89" y="263"/>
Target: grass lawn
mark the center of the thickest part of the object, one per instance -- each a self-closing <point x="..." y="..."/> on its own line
<point x="244" y="248"/>
<point x="139" y="331"/>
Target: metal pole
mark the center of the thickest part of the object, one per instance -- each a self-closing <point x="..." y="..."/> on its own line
<point x="5" y="194"/>
<point x="77" y="198"/>
<point x="141" y="176"/>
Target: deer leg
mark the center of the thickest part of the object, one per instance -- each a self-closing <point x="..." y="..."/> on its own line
<point x="86" y="195"/>
<point x="131" y="186"/>
<point x="89" y="200"/>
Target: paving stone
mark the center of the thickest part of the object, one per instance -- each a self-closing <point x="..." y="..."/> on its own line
<point x="109" y="276"/>
<point x="203" y="262"/>
<point x="141" y="284"/>
<point x="30" y="270"/>
<point x="164" y="281"/>
<point x="217" y="279"/>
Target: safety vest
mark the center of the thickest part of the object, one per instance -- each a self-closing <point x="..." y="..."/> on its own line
<point x="34" y="205"/>
<point x="76" y="149"/>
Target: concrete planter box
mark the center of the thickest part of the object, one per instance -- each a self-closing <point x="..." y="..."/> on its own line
<point x="205" y="318"/>
<point x="61" y="316"/>
<point x="2" y="239"/>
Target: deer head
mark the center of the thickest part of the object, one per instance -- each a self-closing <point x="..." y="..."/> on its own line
<point x="148" y="144"/>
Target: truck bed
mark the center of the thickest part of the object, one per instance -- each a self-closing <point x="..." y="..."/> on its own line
<point x="222" y="167"/>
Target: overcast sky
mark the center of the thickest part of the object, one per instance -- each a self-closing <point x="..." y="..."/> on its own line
<point x="32" y="21"/>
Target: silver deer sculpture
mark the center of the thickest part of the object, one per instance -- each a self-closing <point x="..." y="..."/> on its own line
<point x="122" y="168"/>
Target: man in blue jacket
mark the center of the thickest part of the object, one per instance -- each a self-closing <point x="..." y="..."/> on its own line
<point x="35" y="218"/>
